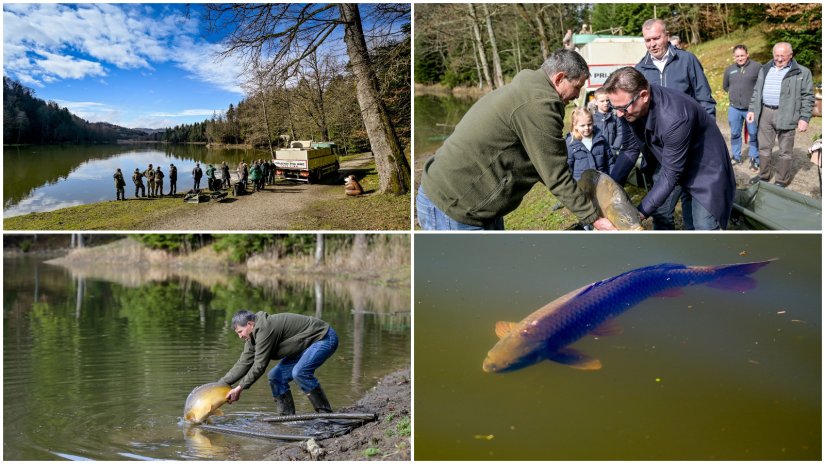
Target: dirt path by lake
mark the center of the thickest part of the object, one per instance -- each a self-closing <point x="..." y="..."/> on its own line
<point x="271" y="209"/>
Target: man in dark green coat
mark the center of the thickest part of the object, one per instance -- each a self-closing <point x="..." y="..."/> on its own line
<point x="507" y="142"/>
<point x="120" y="184"/>
<point x="302" y="343"/>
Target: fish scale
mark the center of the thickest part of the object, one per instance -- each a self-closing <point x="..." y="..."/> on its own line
<point x="546" y="333"/>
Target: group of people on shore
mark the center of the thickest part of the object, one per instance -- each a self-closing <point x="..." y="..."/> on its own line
<point x="260" y="173"/>
<point x="661" y="109"/>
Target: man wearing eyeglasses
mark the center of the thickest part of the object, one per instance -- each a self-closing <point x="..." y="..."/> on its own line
<point x="673" y="131"/>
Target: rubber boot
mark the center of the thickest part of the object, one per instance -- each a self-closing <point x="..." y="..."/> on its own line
<point x="284" y="404"/>
<point x="319" y="400"/>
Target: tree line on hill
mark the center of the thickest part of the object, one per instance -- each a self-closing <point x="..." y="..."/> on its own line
<point x="485" y="44"/>
<point x="31" y="120"/>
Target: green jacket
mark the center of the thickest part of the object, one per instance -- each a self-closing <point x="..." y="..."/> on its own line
<point x="796" y="96"/>
<point x="507" y="142"/>
<point x="275" y="336"/>
<point x="255" y="172"/>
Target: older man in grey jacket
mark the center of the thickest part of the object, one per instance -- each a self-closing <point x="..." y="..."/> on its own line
<point x="782" y="103"/>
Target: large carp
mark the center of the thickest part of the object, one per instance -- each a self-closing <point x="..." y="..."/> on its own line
<point x="610" y="200"/>
<point x="205" y="401"/>
<point x="546" y="333"/>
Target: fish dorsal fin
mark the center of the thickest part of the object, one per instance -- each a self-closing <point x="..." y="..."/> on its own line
<point x="608" y="328"/>
<point x="576" y="359"/>
<point x="503" y="328"/>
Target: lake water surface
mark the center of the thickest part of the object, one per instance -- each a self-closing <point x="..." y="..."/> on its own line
<point x="711" y="374"/>
<point x="46" y="178"/>
<point x="97" y="364"/>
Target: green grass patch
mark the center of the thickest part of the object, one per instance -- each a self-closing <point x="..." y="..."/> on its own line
<point x="371" y="451"/>
<point x="372" y="211"/>
<point x="108" y="215"/>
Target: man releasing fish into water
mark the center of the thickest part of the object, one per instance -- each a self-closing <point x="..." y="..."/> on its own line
<point x="546" y="333"/>
<point x="302" y="343"/>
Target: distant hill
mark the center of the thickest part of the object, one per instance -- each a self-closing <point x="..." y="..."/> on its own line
<point x="150" y="131"/>
<point x="28" y="119"/>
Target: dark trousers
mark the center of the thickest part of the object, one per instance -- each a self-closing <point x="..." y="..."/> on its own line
<point x="140" y="188"/>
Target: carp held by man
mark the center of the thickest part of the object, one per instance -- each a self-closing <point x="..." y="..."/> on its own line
<point x="548" y="332"/>
<point x="610" y="200"/>
<point x="205" y="401"/>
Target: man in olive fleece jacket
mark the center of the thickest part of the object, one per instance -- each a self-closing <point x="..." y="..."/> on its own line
<point x="507" y="142"/>
<point x="302" y="343"/>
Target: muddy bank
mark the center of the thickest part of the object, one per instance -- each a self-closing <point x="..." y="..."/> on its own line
<point x="387" y="439"/>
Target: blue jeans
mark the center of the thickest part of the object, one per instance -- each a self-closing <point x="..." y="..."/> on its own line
<point x="735" y="119"/>
<point x="695" y="216"/>
<point x="432" y="218"/>
<point x="302" y="367"/>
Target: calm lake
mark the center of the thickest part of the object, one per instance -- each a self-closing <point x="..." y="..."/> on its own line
<point x="435" y="119"/>
<point x="46" y="178"/>
<point x="97" y="363"/>
<point x="711" y="374"/>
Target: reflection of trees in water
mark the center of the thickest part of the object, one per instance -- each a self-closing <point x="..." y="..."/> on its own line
<point x="31" y="167"/>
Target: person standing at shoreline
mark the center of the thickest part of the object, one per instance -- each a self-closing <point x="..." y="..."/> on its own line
<point x="159" y="182"/>
<point x="137" y="178"/>
<point x="173" y="179"/>
<point x="149" y="174"/>
<point x="197" y="173"/>
<point x="120" y="184"/>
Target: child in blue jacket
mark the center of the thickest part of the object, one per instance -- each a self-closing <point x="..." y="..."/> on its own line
<point x="586" y="147"/>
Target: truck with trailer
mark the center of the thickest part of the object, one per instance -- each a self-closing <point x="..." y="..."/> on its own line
<point x="307" y="161"/>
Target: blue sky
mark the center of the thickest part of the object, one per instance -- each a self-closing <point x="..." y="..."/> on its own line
<point x="134" y="65"/>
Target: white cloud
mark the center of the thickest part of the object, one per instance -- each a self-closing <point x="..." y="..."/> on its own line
<point x="67" y="67"/>
<point x="184" y="113"/>
<point x="47" y="42"/>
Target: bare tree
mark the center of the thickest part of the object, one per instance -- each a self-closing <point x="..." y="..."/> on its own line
<point x="498" y="75"/>
<point x="479" y="45"/>
<point x="319" y="249"/>
<point x="284" y="34"/>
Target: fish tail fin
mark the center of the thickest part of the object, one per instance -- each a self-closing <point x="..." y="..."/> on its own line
<point x="736" y="277"/>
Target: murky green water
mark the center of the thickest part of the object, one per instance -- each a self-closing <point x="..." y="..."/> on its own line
<point x="45" y="178"/>
<point x="708" y="375"/>
<point x="98" y="364"/>
<point x="435" y="119"/>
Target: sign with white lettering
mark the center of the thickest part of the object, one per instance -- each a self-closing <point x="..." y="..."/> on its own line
<point x="600" y="72"/>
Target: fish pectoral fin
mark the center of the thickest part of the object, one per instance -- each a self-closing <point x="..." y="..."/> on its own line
<point x="608" y="328"/>
<point x="670" y="293"/>
<point x="217" y="412"/>
<point x="503" y="328"/>
<point x="576" y="359"/>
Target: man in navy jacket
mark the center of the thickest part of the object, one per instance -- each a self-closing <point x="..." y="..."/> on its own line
<point x="675" y="132"/>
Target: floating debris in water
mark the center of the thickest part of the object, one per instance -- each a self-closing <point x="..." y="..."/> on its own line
<point x="781" y="312"/>
<point x="484" y="437"/>
<point x="753" y="362"/>
<point x="658" y="379"/>
<point x="743" y="253"/>
<point x="798" y="320"/>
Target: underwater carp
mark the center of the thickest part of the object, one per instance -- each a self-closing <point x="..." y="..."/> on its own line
<point x="546" y="333"/>
<point x="205" y="401"/>
<point x="610" y="200"/>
